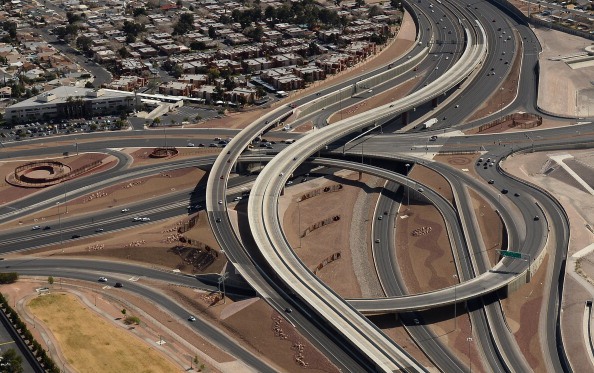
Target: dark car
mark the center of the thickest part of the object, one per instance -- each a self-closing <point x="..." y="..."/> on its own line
<point x="47" y="227"/>
<point x="491" y="181"/>
<point x="118" y="285"/>
<point x="75" y="236"/>
<point x="504" y="191"/>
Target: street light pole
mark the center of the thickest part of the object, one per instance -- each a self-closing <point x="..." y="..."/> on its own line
<point x="299" y="228"/>
<point x="407" y="188"/>
<point x="455" y="303"/>
<point x="469" y="339"/>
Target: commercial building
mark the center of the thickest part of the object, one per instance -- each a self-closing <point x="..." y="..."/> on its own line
<point x="71" y="102"/>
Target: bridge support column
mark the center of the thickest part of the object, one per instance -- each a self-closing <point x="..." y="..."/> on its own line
<point x="282" y="192"/>
<point x="360" y="175"/>
<point x="435" y="102"/>
<point x="405" y="118"/>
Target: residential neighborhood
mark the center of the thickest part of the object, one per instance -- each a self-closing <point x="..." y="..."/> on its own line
<point x="215" y="52"/>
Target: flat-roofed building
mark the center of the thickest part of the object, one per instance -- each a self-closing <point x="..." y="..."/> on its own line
<point x="71" y="102"/>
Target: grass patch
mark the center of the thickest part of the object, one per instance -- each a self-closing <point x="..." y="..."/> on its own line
<point x="92" y="344"/>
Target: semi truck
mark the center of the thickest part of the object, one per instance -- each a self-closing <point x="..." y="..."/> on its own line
<point x="430" y="122"/>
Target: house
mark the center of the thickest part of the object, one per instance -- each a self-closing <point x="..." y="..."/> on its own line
<point x="175" y="89"/>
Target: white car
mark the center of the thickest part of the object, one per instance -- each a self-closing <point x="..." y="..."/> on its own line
<point x="102" y="279"/>
<point x="238" y="198"/>
<point x="99" y="230"/>
<point x="191" y="318"/>
<point x="137" y="219"/>
<point x="145" y="219"/>
<point x="125" y="210"/>
<point x="36" y="227"/>
<point x="190" y="145"/>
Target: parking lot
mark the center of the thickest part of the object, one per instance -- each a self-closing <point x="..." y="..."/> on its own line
<point x="43" y="129"/>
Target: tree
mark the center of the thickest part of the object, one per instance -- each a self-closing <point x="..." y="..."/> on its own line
<point x="50" y="280"/>
<point x="89" y="85"/>
<point x="123" y="311"/>
<point x="139" y="12"/>
<point x="198" y="45"/>
<point x="212" y="32"/>
<point x="375" y="11"/>
<point x="184" y="24"/>
<point x="359" y="3"/>
<point x="11" y="362"/>
<point x="396" y="4"/>
<point x="84" y="43"/>
<point x="123" y="52"/>
<point x="72" y="17"/>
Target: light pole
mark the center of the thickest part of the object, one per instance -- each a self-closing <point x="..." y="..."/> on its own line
<point x="222" y="279"/>
<point x="407" y="188"/>
<point x="469" y="339"/>
<point x="455" y="302"/>
<point x="299" y="221"/>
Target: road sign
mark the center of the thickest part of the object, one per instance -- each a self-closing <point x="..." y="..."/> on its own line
<point x="511" y="254"/>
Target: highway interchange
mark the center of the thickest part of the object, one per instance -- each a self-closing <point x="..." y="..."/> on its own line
<point x="462" y="82"/>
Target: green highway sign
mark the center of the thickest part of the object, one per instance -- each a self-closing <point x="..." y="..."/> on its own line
<point x="511" y="254"/>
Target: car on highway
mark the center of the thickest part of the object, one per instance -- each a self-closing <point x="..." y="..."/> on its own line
<point x="433" y="138"/>
<point x="504" y="191"/>
<point x="536" y="218"/>
<point x="118" y="285"/>
<point x="220" y="202"/>
<point x="35" y="227"/>
<point x="517" y="194"/>
<point x="99" y="230"/>
<point x="218" y="220"/>
<point x="238" y="198"/>
<point x="75" y="236"/>
<point x="191" y="318"/>
<point x="288" y="310"/>
<point x="125" y="210"/>
<point x="380" y="217"/>
<point x="102" y="279"/>
<point x="491" y="181"/>
<point x="416" y="321"/>
<point x="190" y="145"/>
<point x="47" y="228"/>
<point x="377" y="240"/>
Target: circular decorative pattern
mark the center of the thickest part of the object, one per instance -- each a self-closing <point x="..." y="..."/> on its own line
<point x="459" y="161"/>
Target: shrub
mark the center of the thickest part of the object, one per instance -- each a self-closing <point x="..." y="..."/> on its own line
<point x="132" y="320"/>
<point x="8" y="277"/>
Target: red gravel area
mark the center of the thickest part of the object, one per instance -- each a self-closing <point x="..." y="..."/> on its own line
<point x="314" y="248"/>
<point x="434" y="181"/>
<point x="261" y="329"/>
<point x="141" y="156"/>
<point x="10" y="193"/>
<point x="420" y="230"/>
<point x="491" y="226"/>
<point x="522" y="310"/>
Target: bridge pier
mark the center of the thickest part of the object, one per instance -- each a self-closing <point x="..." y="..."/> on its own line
<point x="404" y="117"/>
<point x="435" y="102"/>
